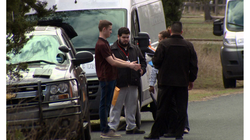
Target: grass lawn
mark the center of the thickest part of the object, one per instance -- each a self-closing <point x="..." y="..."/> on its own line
<point x="209" y="82"/>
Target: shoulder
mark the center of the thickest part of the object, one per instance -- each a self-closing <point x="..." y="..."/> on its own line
<point x="114" y="46"/>
<point x="132" y="46"/>
<point x="188" y="43"/>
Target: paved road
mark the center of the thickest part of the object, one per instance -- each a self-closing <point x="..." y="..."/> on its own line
<point x="217" y="119"/>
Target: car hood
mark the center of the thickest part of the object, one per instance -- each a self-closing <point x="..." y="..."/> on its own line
<point x="43" y="73"/>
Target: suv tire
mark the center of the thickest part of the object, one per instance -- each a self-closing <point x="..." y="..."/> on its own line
<point x="229" y="83"/>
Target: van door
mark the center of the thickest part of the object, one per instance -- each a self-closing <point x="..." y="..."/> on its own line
<point x="144" y="95"/>
<point x="135" y="28"/>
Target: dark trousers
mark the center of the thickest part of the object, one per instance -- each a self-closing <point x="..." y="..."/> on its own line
<point x="164" y="108"/>
<point x="105" y="103"/>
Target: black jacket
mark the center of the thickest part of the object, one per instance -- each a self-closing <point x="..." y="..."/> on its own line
<point x="177" y="61"/>
<point x="127" y="76"/>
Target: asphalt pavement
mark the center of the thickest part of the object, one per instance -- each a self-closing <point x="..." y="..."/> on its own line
<point x="216" y="119"/>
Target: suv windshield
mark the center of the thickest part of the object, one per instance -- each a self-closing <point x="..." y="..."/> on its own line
<point x="40" y="48"/>
<point x="85" y="23"/>
<point x="235" y="16"/>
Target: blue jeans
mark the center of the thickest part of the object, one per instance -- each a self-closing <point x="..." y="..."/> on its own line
<point x="107" y="91"/>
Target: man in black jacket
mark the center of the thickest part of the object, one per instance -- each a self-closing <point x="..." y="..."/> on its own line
<point x="177" y="61"/>
<point x="128" y="81"/>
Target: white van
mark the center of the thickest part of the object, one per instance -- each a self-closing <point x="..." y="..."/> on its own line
<point x="232" y="51"/>
<point x="84" y="16"/>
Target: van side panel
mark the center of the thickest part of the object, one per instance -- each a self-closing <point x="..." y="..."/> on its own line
<point x="152" y="20"/>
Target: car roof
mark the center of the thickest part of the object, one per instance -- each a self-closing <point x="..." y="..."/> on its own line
<point x="45" y="30"/>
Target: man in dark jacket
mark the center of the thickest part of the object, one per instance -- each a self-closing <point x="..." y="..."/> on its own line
<point x="128" y="81"/>
<point x="177" y="61"/>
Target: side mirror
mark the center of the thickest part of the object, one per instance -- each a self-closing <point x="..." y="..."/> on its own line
<point x="82" y="57"/>
<point x="218" y="27"/>
<point x="60" y="58"/>
<point x="64" y="49"/>
<point x="143" y="40"/>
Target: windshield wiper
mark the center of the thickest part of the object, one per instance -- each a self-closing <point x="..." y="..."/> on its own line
<point x="38" y="61"/>
<point x="235" y="24"/>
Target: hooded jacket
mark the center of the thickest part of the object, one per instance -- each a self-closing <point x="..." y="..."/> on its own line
<point x="127" y="76"/>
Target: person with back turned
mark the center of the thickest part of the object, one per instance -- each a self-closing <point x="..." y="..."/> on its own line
<point x="176" y="60"/>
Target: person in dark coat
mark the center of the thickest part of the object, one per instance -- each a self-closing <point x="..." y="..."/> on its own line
<point x="176" y="60"/>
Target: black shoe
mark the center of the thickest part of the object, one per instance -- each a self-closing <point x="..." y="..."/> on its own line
<point x="169" y="135"/>
<point x="150" y="137"/>
<point x="135" y="131"/>
<point x="178" y="138"/>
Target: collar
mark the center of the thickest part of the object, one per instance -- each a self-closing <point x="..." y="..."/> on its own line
<point x="103" y="40"/>
<point x="176" y="36"/>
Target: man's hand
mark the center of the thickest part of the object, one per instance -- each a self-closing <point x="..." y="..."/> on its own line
<point x="141" y="72"/>
<point x="134" y="65"/>
<point x="151" y="89"/>
<point x="190" y="85"/>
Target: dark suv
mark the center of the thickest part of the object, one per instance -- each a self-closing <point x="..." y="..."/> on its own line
<point x="51" y="99"/>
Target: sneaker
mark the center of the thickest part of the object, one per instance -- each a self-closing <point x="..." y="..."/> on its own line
<point x="135" y="131"/>
<point x="104" y="136"/>
<point x="112" y="133"/>
<point x="186" y="131"/>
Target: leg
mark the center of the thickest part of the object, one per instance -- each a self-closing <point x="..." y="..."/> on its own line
<point x="181" y="98"/>
<point x="105" y="102"/>
<point x="165" y="95"/>
<point x="172" y="121"/>
<point x="115" y="111"/>
<point x="130" y="106"/>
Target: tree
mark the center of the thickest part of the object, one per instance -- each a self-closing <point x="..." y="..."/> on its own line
<point x="17" y="26"/>
<point x="207" y="14"/>
<point x="173" y="10"/>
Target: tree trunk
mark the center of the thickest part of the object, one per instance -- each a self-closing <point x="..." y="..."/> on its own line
<point x="207" y="14"/>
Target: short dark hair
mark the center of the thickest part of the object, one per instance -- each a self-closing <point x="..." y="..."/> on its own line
<point x="104" y="24"/>
<point x="176" y="27"/>
<point x="165" y="33"/>
<point x="123" y="30"/>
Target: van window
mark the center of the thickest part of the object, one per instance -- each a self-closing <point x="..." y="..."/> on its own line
<point x="235" y="16"/>
<point x="85" y="23"/>
<point x="135" y="29"/>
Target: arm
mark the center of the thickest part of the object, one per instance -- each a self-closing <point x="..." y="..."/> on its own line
<point x="158" y="56"/>
<point x="152" y="79"/>
<point x="193" y="65"/>
<point x="142" y="60"/>
<point x="122" y="64"/>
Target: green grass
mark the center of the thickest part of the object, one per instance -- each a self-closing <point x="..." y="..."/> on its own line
<point x="197" y="28"/>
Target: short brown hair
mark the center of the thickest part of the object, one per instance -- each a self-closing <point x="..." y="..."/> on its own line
<point x="104" y="24"/>
<point x="165" y="34"/>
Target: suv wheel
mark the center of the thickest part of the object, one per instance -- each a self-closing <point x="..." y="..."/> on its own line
<point x="229" y="83"/>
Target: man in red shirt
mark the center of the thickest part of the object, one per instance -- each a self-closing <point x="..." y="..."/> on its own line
<point x="106" y="64"/>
